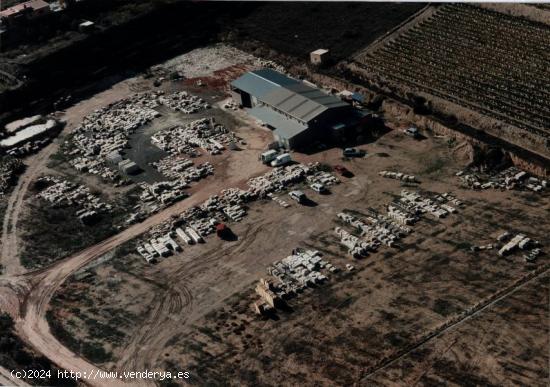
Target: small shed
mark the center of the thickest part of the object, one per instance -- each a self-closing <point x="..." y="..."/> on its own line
<point x="86" y="26"/>
<point x="319" y="56"/>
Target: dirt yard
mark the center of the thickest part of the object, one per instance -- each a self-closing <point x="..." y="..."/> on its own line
<point x="194" y="308"/>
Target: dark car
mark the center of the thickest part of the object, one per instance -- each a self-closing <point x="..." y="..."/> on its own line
<point x="353" y="152"/>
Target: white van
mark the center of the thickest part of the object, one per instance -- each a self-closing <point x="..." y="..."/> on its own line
<point x="269" y="156"/>
<point x="282" y="159"/>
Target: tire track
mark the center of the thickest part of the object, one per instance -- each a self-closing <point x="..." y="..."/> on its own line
<point x="497" y="297"/>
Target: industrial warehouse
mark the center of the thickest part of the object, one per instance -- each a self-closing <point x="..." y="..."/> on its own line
<point x="298" y="113"/>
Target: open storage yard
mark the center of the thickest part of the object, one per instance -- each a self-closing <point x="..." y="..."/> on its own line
<point x="306" y="194"/>
<point x="384" y="307"/>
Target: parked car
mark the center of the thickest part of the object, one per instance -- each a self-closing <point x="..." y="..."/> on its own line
<point x="412" y="131"/>
<point x="299" y="196"/>
<point x="353" y="152"/>
<point x="318" y="187"/>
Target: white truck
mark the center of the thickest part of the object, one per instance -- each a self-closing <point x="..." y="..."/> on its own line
<point x="281" y="160"/>
<point x="268" y="156"/>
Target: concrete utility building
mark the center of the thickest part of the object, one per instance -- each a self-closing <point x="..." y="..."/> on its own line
<point x="297" y="113"/>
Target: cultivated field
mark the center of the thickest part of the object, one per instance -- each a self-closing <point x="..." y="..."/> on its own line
<point x="193" y="311"/>
<point x="297" y="29"/>
<point x="486" y="61"/>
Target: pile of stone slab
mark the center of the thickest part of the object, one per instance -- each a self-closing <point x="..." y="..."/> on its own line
<point x="176" y="167"/>
<point x="510" y="178"/>
<point x="398" y="176"/>
<point x="278" y="179"/>
<point x="160" y="246"/>
<point x="62" y="193"/>
<point x="357" y="248"/>
<point x="278" y="200"/>
<point x="297" y="271"/>
<point x="229" y="202"/>
<point x="325" y="178"/>
<point x="426" y="205"/>
<point x="380" y="230"/>
<point x="204" y="133"/>
<point x="401" y="214"/>
<point x="29" y="135"/>
<point x="163" y="192"/>
<point x="520" y="241"/>
<point x="10" y="167"/>
<point x="182" y="101"/>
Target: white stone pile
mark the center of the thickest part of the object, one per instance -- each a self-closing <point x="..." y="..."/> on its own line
<point x="510" y="178"/>
<point x="397" y="213"/>
<point x="398" y="176"/>
<point x="232" y="105"/>
<point x="172" y="166"/>
<point x="425" y="205"/>
<point x="325" y="178"/>
<point x="183" y="102"/>
<point x="297" y="271"/>
<point x="520" y="241"/>
<point x="278" y="179"/>
<point x="9" y="168"/>
<point x="229" y="202"/>
<point x="163" y="192"/>
<point x="183" y="169"/>
<point x="266" y="63"/>
<point x="161" y="246"/>
<point x="356" y="247"/>
<point x="380" y="230"/>
<point x="61" y="193"/>
<point x="204" y="133"/>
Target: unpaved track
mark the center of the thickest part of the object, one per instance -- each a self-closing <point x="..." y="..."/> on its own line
<point x="467" y="317"/>
<point x="7" y="380"/>
<point x="9" y="253"/>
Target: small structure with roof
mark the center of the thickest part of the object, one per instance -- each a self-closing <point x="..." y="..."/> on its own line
<point x="319" y="56"/>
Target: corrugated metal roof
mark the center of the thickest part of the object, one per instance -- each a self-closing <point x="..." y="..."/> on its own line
<point x="261" y="82"/>
<point x="301" y="101"/>
<point x="287" y="94"/>
<point x="284" y="127"/>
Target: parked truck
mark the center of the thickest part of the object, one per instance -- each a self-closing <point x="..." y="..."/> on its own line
<point x="281" y="160"/>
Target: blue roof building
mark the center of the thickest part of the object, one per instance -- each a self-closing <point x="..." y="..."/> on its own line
<point x="297" y="113"/>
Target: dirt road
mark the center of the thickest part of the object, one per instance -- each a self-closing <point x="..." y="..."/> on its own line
<point x="470" y="314"/>
<point x="33" y="325"/>
<point x="10" y="258"/>
<point x="7" y="380"/>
